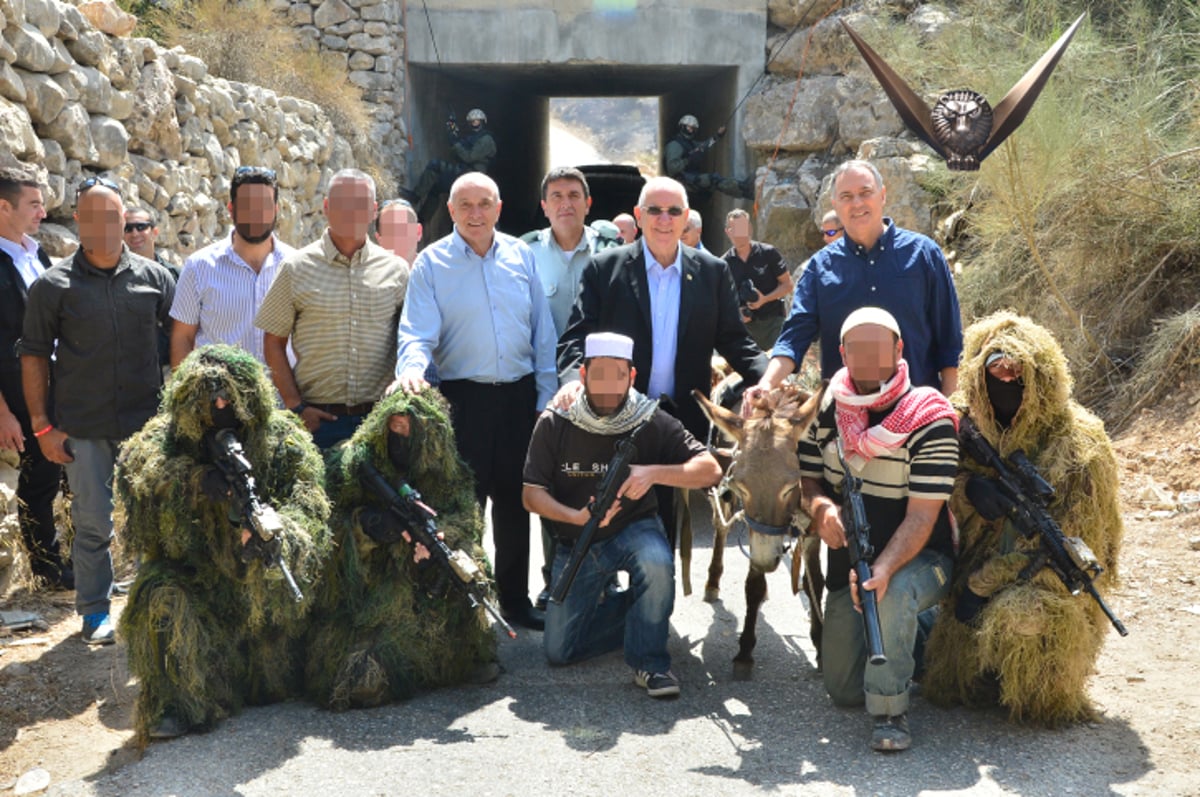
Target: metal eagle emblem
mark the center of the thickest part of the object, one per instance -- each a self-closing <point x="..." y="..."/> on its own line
<point x="962" y="127"/>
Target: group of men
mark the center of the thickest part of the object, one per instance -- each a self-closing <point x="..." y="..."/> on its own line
<point x="547" y="356"/>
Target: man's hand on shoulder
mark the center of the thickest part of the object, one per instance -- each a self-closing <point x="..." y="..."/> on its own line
<point x="566" y="396"/>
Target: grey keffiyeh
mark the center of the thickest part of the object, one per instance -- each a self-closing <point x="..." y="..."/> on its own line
<point x="632" y="412"/>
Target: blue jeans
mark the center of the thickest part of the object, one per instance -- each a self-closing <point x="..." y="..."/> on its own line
<point x="330" y="433"/>
<point x="594" y="620"/>
<point x="90" y="477"/>
<point x="850" y="681"/>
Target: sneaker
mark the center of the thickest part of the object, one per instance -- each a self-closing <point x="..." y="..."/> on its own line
<point x="657" y="684"/>
<point x="891" y="734"/>
<point x="98" y="629"/>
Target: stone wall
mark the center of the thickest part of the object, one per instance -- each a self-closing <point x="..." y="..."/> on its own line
<point x="367" y="38"/>
<point x="79" y="97"/>
<point x="838" y="112"/>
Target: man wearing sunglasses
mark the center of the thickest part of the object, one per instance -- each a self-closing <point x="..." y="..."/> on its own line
<point x="676" y="303"/>
<point x="879" y="264"/>
<point x="223" y="285"/>
<point x="97" y="313"/>
<point x="141" y="236"/>
<point x="22" y="261"/>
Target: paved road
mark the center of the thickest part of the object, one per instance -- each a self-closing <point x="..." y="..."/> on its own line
<point x="587" y="730"/>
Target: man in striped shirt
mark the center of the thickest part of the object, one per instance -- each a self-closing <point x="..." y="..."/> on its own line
<point x="223" y="285"/>
<point x="338" y="302"/>
<point x="902" y="442"/>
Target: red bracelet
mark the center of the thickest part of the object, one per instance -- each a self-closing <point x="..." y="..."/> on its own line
<point x="41" y="432"/>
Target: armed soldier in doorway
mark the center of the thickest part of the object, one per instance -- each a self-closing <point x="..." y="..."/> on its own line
<point x="474" y="151"/>
<point x="684" y="158"/>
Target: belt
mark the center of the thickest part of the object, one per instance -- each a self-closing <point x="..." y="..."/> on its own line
<point x="345" y="409"/>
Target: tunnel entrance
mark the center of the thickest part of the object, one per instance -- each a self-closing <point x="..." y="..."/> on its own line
<point x="516" y="98"/>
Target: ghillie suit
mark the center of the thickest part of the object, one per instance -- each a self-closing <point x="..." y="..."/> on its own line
<point x="383" y="629"/>
<point x="207" y="632"/>
<point x="1033" y="645"/>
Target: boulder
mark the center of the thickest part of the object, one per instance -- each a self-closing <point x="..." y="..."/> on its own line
<point x="44" y="15"/>
<point x="89" y="48"/>
<point x="11" y="87"/>
<point x="812" y="124"/>
<point x="333" y="12"/>
<point x="823" y="49"/>
<point x="107" y="16"/>
<point x="790" y="13"/>
<point x="44" y="98"/>
<point x="57" y="240"/>
<point x="864" y="113"/>
<point x="71" y="128"/>
<point x="153" y="127"/>
<point x="111" y="141"/>
<point x="55" y="159"/>
<point x="299" y="14"/>
<point x="33" y="50"/>
<point x="17" y="133"/>
<point x="375" y="45"/>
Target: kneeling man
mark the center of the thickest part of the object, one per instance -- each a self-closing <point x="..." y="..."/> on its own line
<point x="568" y="457"/>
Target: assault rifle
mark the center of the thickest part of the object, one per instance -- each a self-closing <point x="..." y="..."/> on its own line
<point x="421" y="523"/>
<point x="1027" y="495"/>
<point x="260" y="518"/>
<point x="606" y="495"/>
<point x="858" y="545"/>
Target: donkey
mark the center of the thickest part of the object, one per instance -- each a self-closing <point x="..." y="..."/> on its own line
<point x="765" y="477"/>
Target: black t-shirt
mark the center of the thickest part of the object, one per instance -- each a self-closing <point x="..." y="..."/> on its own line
<point x="570" y="463"/>
<point x="763" y="267"/>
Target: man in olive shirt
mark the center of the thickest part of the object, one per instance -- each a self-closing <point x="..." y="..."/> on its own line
<point x="338" y="300"/>
<point x="97" y="313"/>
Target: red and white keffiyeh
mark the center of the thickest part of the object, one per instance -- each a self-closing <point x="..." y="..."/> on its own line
<point x="914" y="408"/>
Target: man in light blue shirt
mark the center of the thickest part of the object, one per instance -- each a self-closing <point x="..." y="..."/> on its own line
<point x="566" y="246"/>
<point x="477" y="311"/>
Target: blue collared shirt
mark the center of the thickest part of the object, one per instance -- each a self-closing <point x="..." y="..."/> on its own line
<point x="479" y="318"/>
<point x="664" y="281"/>
<point x="906" y="274"/>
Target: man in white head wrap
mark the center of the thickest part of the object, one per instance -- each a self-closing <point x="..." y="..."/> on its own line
<point x="568" y="458"/>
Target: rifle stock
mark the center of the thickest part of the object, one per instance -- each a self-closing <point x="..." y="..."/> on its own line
<point x="606" y="495"/>
<point x="421" y="523"/>
<point x="1029" y="492"/>
<point x="858" y="546"/>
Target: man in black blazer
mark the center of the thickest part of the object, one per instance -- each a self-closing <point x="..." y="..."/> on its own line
<point x="678" y="305"/>
<point x="21" y="262"/>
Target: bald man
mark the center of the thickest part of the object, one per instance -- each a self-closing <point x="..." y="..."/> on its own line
<point x="98" y="313"/>
<point x="477" y="311"/>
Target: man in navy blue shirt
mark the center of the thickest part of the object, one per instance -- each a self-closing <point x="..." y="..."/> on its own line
<point x="879" y="264"/>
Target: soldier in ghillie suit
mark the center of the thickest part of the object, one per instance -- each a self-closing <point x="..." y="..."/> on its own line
<point x="210" y="625"/>
<point x="1024" y="643"/>
<point x="386" y="625"/>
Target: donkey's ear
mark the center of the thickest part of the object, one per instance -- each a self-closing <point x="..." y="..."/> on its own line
<point x="730" y="423"/>
<point x="809" y="409"/>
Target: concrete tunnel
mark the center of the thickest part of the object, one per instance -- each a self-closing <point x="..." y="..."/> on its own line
<point x="512" y="58"/>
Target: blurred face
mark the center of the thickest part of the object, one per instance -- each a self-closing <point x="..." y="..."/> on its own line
<point x="400" y="424"/>
<point x="662" y="229"/>
<point x="606" y="381"/>
<point x="859" y="204"/>
<point x="475" y="209"/>
<point x="565" y="206"/>
<point x="399" y="231"/>
<point x="100" y="215"/>
<point x="738" y="229"/>
<point x="25" y="216"/>
<point x="349" y="209"/>
<point x="628" y="227"/>
<point x="1006" y="369"/>
<point x="871" y="353"/>
<point x="691" y="235"/>
<point x="140" y="233"/>
<point x="254" y="212"/>
<point x="831" y="231"/>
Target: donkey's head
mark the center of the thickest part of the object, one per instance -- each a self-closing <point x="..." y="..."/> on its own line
<point x="765" y="473"/>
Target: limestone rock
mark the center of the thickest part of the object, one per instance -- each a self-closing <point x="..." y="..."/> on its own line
<point x="11" y="86"/>
<point x="44" y="15"/>
<point x="57" y="240"/>
<point x="375" y="45"/>
<point x="812" y="124"/>
<point x="33" y="51"/>
<point x="108" y="17"/>
<point x="789" y="13"/>
<point x="299" y="14"/>
<point x="370" y="81"/>
<point x="71" y="128"/>
<point x="376" y="28"/>
<point x="56" y="192"/>
<point x="333" y="12"/>
<point x="929" y="19"/>
<point x="44" y="98"/>
<point x="346" y="28"/>
<point x="17" y="133"/>
<point x="384" y="12"/>
<point x="333" y="43"/>
<point x="111" y="141"/>
<point x="864" y="113"/>
<point x="153" y="127"/>
<point x="121" y="105"/>
<point x="89" y="47"/>
<point x="193" y="68"/>
<point x="361" y="60"/>
<point x="829" y="50"/>
<point x="54" y="160"/>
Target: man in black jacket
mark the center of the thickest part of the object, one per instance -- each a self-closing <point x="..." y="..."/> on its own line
<point x="676" y="303"/>
<point x="21" y="262"/>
